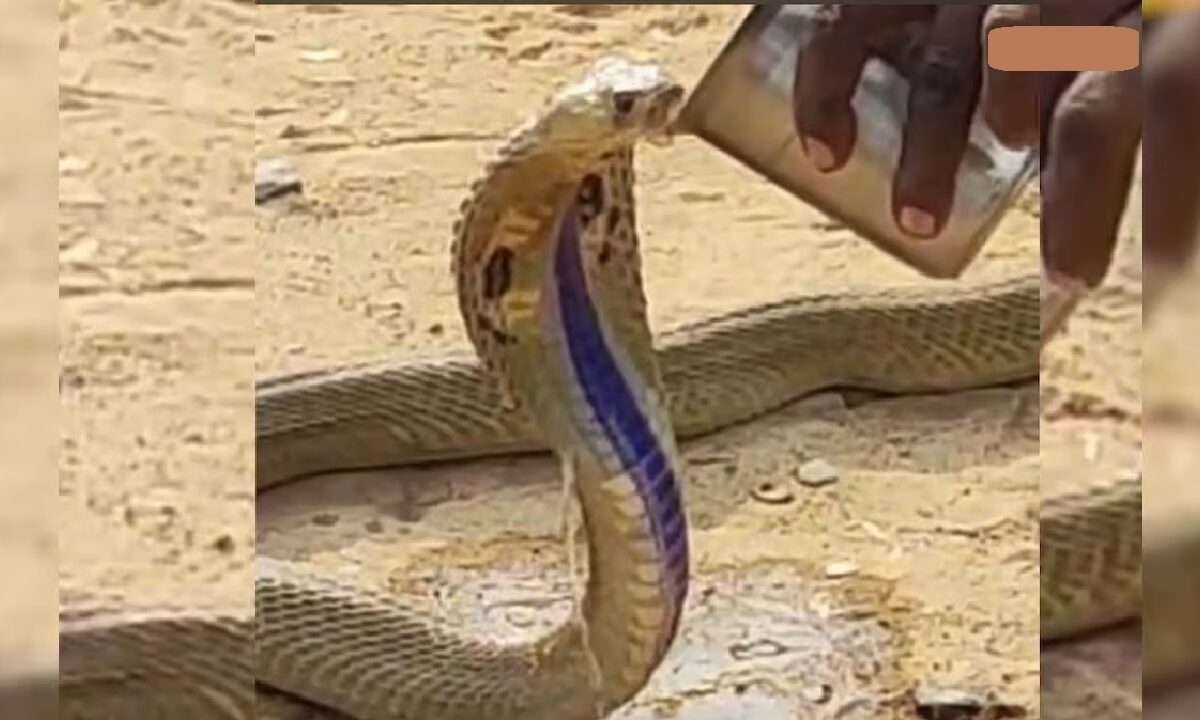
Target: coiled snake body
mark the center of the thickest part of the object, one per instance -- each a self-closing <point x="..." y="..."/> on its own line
<point x="548" y="273"/>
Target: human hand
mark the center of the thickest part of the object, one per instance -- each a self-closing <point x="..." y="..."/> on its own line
<point x="1086" y="124"/>
<point x="939" y="48"/>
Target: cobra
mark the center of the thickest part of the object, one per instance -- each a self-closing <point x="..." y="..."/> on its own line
<point x="567" y="340"/>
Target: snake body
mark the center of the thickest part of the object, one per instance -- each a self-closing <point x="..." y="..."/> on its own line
<point x="118" y="660"/>
<point x="569" y="342"/>
<point x="548" y="274"/>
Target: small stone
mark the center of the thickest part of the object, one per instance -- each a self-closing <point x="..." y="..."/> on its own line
<point x="320" y="55"/>
<point x="374" y="527"/>
<point x="325" y="519"/>
<point x="224" y="544"/>
<point x="771" y="493"/>
<point x="817" y="473"/>
<point x="945" y="703"/>
<point x="840" y="569"/>
<point x="817" y="694"/>
<point x="274" y="177"/>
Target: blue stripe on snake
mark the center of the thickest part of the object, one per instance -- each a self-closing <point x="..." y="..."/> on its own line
<point x="614" y="406"/>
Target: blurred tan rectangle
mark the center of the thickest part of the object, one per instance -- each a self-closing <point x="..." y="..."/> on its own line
<point x="28" y="362"/>
<point x="1063" y="48"/>
<point x="1171" y="505"/>
<point x="1171" y="379"/>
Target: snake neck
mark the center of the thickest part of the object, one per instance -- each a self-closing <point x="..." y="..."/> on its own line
<point x="587" y="669"/>
<point x="532" y="296"/>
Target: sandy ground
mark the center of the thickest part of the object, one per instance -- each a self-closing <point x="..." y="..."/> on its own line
<point x="156" y="253"/>
<point x="388" y="114"/>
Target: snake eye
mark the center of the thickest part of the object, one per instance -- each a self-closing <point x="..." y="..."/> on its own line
<point x="623" y="101"/>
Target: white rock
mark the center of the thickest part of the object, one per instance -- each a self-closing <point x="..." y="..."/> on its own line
<point x="817" y="473"/>
<point x="840" y="569"/>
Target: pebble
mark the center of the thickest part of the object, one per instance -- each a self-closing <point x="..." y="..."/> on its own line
<point x="945" y="703"/>
<point x="325" y="519"/>
<point x="274" y="177"/>
<point x="320" y="55"/>
<point x="771" y="493"/>
<point x="840" y="569"/>
<point x="817" y="473"/>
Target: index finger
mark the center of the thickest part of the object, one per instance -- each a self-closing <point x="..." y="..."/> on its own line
<point x="827" y="74"/>
<point x="941" y="105"/>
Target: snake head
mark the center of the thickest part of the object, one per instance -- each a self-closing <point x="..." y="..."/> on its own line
<point x="616" y="104"/>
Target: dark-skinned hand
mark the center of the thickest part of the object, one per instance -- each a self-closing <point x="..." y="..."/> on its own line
<point x="1086" y="125"/>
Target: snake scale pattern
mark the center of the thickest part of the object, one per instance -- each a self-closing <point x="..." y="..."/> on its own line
<point x="548" y="271"/>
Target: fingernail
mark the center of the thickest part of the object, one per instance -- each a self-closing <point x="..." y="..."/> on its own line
<point x="916" y="221"/>
<point x="820" y="154"/>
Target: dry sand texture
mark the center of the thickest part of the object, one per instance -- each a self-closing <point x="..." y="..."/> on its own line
<point x="156" y="252"/>
<point x="387" y="112"/>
